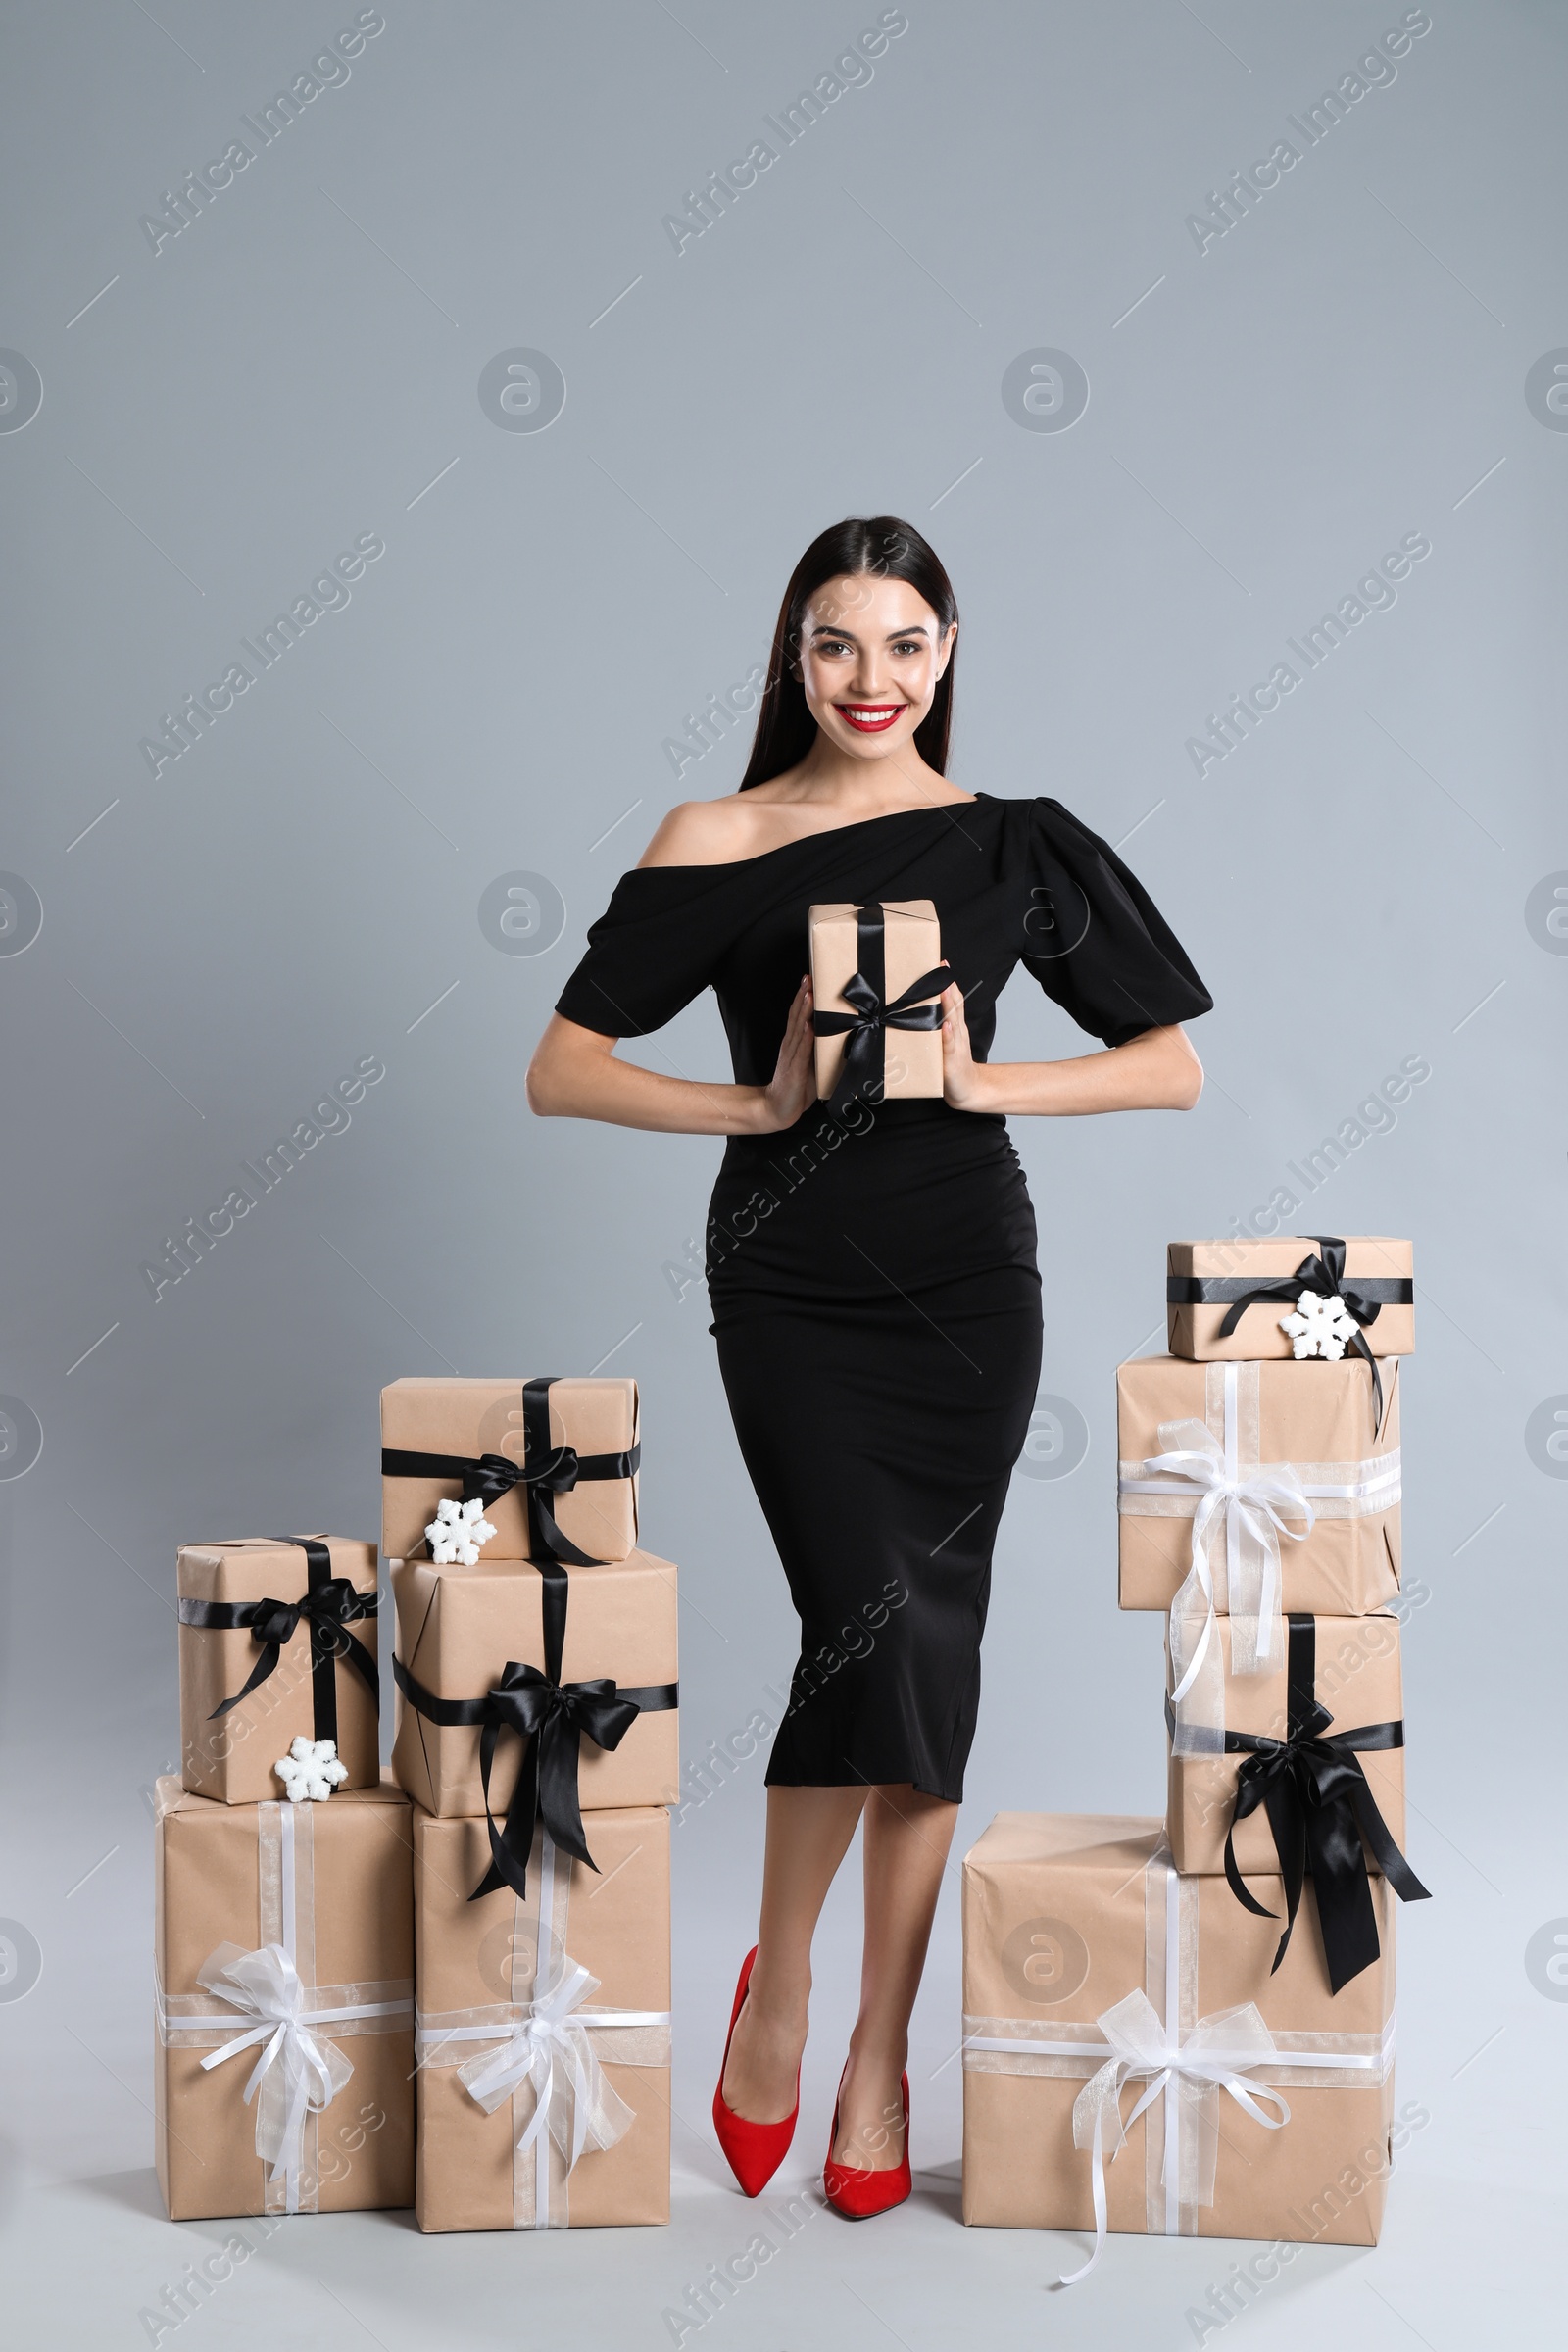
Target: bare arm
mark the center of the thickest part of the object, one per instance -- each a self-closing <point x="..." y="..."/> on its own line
<point x="1157" y="1071"/>
<point x="575" y="1074"/>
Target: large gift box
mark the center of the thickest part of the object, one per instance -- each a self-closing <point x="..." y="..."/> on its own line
<point x="284" y="2004"/>
<point x="1107" y="2000"/>
<point x="569" y="1673"/>
<point x="540" y="1469"/>
<point x="877" y="976"/>
<point x="543" y="2031"/>
<point x="1238" y="1463"/>
<point x="1358" y="1286"/>
<point x="277" y="1642"/>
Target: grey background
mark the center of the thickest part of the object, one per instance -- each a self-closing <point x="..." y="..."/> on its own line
<point x="302" y="889"/>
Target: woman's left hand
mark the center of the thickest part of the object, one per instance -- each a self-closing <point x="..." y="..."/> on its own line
<point x="962" y="1077"/>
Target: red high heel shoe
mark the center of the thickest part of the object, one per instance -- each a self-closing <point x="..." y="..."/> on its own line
<point x="755" y="2150"/>
<point x="859" y="2192"/>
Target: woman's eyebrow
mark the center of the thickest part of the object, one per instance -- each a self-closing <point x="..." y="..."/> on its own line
<point x="918" y="628"/>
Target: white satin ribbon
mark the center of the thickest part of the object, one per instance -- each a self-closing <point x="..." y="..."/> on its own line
<point x="551" y="2049"/>
<point x="1251" y="1506"/>
<point x="1213" y="2058"/>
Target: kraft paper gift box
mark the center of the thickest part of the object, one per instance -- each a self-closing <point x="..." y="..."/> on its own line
<point x="562" y="1479"/>
<point x="1206" y="1279"/>
<point x="543" y="2031"/>
<point x="885" y="1036"/>
<point x="1281" y="1440"/>
<point x="1354" y="1675"/>
<point x="1090" y="1969"/>
<point x="300" y="1617"/>
<point x="284" y="1937"/>
<point x="461" y="1629"/>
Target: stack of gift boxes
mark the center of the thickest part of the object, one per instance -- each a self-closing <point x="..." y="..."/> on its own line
<point x="447" y="1987"/>
<point x="1210" y="1997"/>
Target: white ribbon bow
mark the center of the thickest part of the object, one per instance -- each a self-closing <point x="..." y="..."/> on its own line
<point x="1252" y="1504"/>
<point x="550" y="2047"/>
<point x="1207" y="2063"/>
<point x="265" y="1984"/>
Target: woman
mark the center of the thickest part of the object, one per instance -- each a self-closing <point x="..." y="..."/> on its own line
<point x="876" y="1300"/>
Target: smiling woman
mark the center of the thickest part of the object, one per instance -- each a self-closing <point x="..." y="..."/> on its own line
<point x="879" y="1326"/>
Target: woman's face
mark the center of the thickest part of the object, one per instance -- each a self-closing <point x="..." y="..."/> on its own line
<point x="871" y="652"/>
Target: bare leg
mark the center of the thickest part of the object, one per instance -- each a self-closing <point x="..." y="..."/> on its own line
<point x="809" y="1834"/>
<point x="906" y="1837"/>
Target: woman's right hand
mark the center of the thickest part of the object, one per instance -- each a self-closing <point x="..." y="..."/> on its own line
<point x="792" y="1089"/>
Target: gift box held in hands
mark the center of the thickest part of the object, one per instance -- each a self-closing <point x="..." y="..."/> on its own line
<point x="278" y="1640"/>
<point x="551" y="1466"/>
<point x="877" y="976"/>
<point x="543" y="2031"/>
<point x="1093" y="1977"/>
<point x="284" y="1969"/>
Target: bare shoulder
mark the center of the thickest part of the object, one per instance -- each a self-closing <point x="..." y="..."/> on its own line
<point x="702" y="833"/>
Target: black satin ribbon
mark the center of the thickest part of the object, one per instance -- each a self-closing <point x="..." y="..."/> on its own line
<point x="552" y="1718"/>
<point x="864" y="1030"/>
<point x="1364" y="1298"/>
<point x="1323" y="1816"/>
<point x="545" y="1471"/>
<point x="328" y="1607"/>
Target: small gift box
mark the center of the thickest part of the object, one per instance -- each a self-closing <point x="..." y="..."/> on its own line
<point x="1110" y="2005"/>
<point x="518" y="1470"/>
<point x="543" y="2031"/>
<point x="277" y="1642"/>
<point x="877" y="977"/>
<point x="528" y="1691"/>
<point x="1235" y="1473"/>
<point x="1296" y="1768"/>
<point x="1312" y="1296"/>
<point x="284" y="2004"/>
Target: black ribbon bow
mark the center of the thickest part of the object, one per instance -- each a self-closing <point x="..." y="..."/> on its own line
<point x="329" y="1605"/>
<point x="1324" y="1275"/>
<point x="1323" y="1816"/>
<point x="552" y="1718"/>
<point x="864" y="1030"/>
<point x="545" y="1471"/>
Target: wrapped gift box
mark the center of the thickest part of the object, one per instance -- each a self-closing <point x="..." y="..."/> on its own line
<point x="565" y="1997"/>
<point x="1355" y="1679"/>
<point x="1067" y="1916"/>
<point x="1204" y="1280"/>
<point x="1270" y="1428"/>
<point x="900" y="1063"/>
<point x="230" y="1599"/>
<point x="588" y="1493"/>
<point x="460" y="1629"/>
<point x="268" y="1914"/>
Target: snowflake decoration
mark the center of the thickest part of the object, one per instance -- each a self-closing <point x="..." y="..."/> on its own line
<point x="457" y="1531"/>
<point x="311" y="1769"/>
<point x="1319" y="1327"/>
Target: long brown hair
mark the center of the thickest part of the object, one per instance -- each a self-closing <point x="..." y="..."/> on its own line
<point x="884" y="548"/>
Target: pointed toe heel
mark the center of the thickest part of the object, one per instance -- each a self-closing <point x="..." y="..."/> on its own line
<point x="857" y="2192"/>
<point x="752" y="2151"/>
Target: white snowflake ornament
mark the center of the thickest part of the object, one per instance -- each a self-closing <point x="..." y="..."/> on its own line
<point x="457" y="1531"/>
<point x="311" y="1770"/>
<point x="1319" y="1327"/>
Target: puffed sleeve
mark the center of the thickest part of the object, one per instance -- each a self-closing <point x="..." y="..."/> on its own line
<point x="1097" y="944"/>
<point x="655" y="948"/>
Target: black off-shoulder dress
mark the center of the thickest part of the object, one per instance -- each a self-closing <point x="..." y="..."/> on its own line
<point x="876" y="1299"/>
